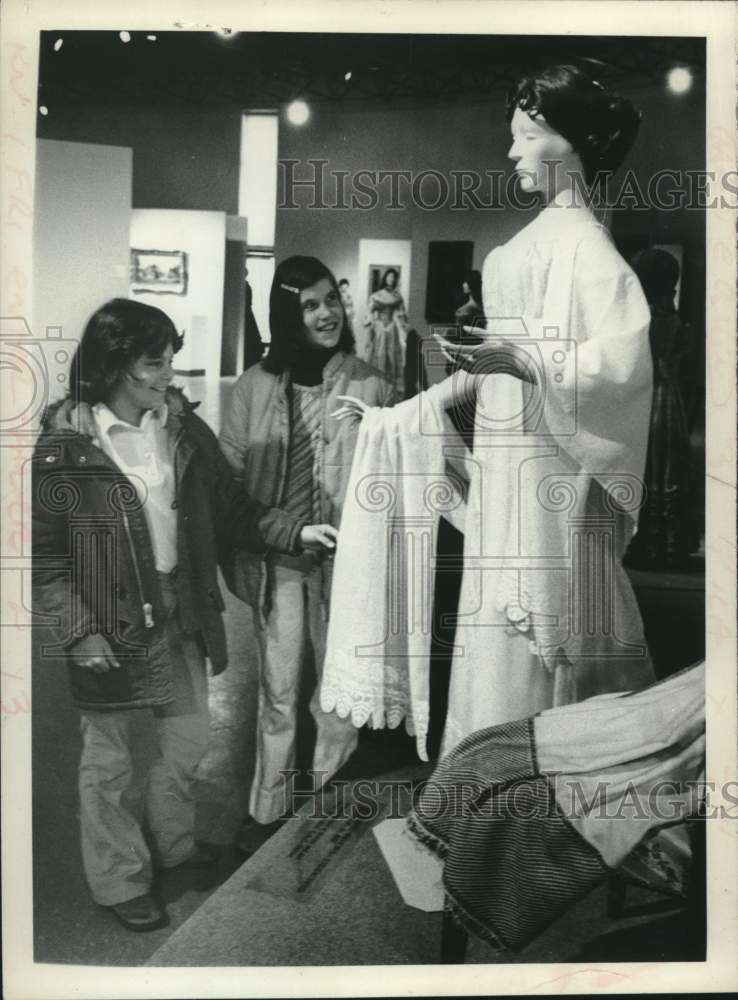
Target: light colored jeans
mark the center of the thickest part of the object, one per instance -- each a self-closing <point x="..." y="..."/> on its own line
<point x="295" y="618"/>
<point x="116" y="859"/>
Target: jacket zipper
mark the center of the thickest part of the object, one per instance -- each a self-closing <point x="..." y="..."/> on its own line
<point x="175" y="450"/>
<point x="145" y="605"/>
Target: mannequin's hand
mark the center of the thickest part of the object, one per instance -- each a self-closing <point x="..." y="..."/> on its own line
<point x="94" y="653"/>
<point x="352" y="407"/>
<point x="318" y="536"/>
<point x="491" y="355"/>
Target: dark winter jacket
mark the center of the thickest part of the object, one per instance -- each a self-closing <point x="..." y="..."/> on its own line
<point x="94" y="569"/>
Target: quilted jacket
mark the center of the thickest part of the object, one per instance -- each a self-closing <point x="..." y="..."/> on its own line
<point x="93" y="560"/>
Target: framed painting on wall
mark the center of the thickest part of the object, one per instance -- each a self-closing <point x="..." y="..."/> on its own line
<point x="376" y="258"/>
<point x="159" y="272"/>
<point x="380" y="276"/>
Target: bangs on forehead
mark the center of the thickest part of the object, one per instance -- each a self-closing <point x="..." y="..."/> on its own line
<point x="158" y="340"/>
<point x="529" y="104"/>
<point x="534" y="117"/>
<point x="310" y="288"/>
<point x="527" y="97"/>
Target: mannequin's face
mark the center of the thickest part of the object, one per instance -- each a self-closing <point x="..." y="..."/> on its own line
<point x="322" y="314"/>
<point x="390" y="279"/>
<point x="465" y="288"/>
<point x="544" y="160"/>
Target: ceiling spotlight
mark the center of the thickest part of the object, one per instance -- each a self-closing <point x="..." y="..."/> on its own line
<point x="43" y="110"/>
<point x="151" y="38"/>
<point x="58" y="44"/>
<point x="347" y="76"/>
<point x="679" y="80"/>
<point x="125" y="36"/>
<point x="226" y="32"/>
<point x="298" y="112"/>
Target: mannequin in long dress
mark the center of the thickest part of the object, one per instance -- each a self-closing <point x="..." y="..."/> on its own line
<point x="666" y="532"/>
<point x="566" y="490"/>
<point x="570" y="489"/>
<point x="562" y="382"/>
<point x="471" y="310"/>
<point x="386" y="325"/>
<point x="468" y="317"/>
<point x="347" y="299"/>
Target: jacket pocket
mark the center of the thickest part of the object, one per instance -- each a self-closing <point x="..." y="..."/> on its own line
<point x="115" y="687"/>
<point x="245" y="577"/>
<point x="123" y="607"/>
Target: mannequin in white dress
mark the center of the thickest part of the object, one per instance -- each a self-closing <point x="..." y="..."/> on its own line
<point x="562" y="381"/>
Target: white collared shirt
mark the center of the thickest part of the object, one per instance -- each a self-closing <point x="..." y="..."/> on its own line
<point x="144" y="454"/>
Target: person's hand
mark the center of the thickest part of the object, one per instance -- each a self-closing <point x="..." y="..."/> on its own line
<point x="488" y="356"/>
<point x="352" y="407"/>
<point x="94" y="653"/>
<point x="318" y="536"/>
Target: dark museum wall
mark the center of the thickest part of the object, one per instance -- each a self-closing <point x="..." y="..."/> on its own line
<point x="189" y="159"/>
<point x="474" y="138"/>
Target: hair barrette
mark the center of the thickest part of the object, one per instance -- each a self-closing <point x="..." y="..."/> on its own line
<point x="289" y="288"/>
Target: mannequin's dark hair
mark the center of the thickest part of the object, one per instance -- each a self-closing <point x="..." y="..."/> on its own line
<point x="285" y="312"/>
<point x="600" y="126"/>
<point x="116" y="335"/>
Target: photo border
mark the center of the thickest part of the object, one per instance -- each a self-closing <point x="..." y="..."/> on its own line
<point x="21" y="23"/>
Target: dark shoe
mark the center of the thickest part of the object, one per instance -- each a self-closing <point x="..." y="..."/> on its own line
<point x="204" y="856"/>
<point x="140" y="914"/>
<point x="252" y="835"/>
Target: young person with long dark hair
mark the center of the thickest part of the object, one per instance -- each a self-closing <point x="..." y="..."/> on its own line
<point x="281" y="437"/>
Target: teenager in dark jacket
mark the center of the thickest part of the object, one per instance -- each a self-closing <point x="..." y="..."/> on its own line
<point x="133" y="506"/>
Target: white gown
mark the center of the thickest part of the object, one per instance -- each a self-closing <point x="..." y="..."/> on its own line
<point x="547" y="615"/>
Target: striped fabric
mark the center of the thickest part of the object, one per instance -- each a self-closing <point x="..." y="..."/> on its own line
<point x="512" y="862"/>
<point x="302" y="496"/>
<point x="530" y="815"/>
